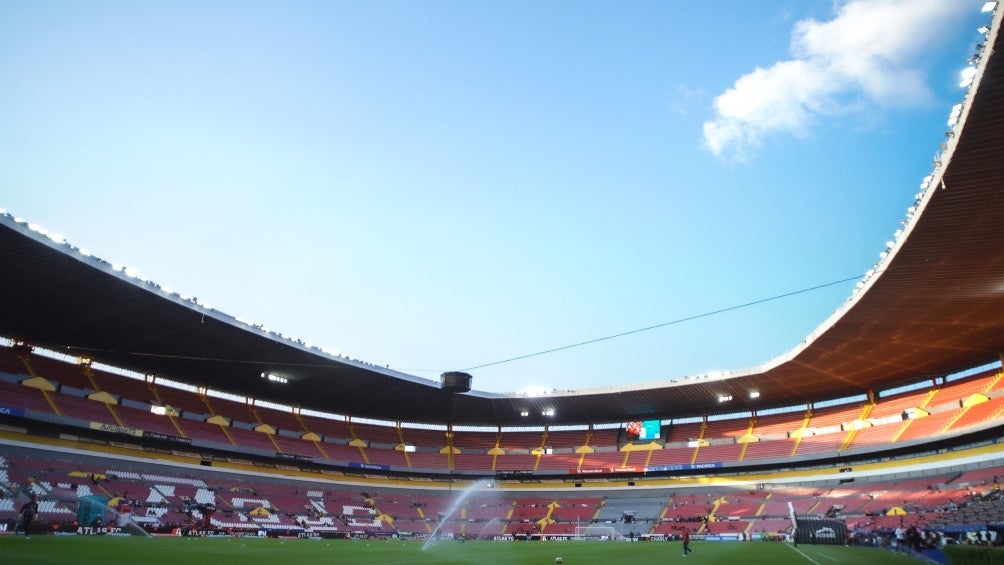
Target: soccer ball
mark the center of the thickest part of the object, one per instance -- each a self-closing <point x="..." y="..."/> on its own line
<point x="559" y="559"/>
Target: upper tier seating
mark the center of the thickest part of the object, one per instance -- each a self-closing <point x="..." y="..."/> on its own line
<point x="961" y="404"/>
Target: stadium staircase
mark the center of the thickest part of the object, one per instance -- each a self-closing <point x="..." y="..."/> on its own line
<point x="865" y="412"/>
<point x="308" y="434"/>
<point x="39" y="382"/>
<point x="906" y="424"/>
<point x="169" y="412"/>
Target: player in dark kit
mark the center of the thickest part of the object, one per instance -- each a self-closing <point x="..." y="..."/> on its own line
<point x="27" y="514"/>
<point x="686" y="542"/>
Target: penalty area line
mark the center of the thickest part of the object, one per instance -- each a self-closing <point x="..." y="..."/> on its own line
<point x="825" y="556"/>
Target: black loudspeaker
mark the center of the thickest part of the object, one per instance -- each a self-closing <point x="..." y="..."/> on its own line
<point x="455" y="381"/>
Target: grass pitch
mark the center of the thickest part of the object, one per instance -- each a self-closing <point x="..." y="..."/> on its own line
<point x="42" y="550"/>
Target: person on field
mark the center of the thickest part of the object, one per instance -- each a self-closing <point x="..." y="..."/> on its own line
<point x="686" y="542"/>
<point x="26" y="515"/>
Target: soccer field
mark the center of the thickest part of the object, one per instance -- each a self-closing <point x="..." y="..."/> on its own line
<point x="40" y="550"/>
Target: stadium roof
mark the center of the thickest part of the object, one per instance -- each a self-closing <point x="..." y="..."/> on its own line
<point x="933" y="306"/>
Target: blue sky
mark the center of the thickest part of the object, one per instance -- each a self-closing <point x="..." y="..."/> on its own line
<point x="437" y="186"/>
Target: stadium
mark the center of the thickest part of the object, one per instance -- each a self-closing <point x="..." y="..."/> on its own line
<point x="133" y="412"/>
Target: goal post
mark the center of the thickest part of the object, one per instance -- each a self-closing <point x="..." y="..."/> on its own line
<point x="597" y="533"/>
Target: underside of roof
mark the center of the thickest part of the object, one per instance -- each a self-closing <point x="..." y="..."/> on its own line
<point x="933" y="307"/>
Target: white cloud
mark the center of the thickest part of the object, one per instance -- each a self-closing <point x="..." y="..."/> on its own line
<point x="867" y="52"/>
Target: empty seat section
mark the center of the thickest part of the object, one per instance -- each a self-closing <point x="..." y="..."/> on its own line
<point x="819" y="444"/>
<point x="252" y="439"/>
<point x="927" y="426"/>
<point x="576" y="510"/>
<point x="428" y="460"/>
<point x="962" y="388"/>
<point x="330" y="428"/>
<point x="392" y="457"/>
<point x="719" y="453"/>
<point x="729" y="428"/>
<point x="876" y="435"/>
<point x="513" y="462"/>
<point x="769" y="449"/>
<point x="10" y="363"/>
<point x="204" y="431"/>
<point x="522" y="440"/>
<point x="373" y="433"/>
<point x="20" y="396"/>
<point x="896" y="404"/>
<point x="84" y="409"/>
<point x="980" y="413"/>
<point x="68" y="374"/>
<point x="559" y="461"/>
<point x="775" y="425"/>
<point x="604" y="437"/>
<point x="672" y="456"/>
<point x="228" y="408"/>
<point x="341" y="451"/>
<point x="297" y="446"/>
<point x="421" y="437"/>
<point x="277" y="418"/>
<point x="472" y="462"/>
<point x="472" y="440"/>
<point x="566" y="438"/>
<point x="122" y="386"/>
<point x="601" y="459"/>
<point x="835" y="416"/>
<point x="145" y="420"/>
<point x="179" y="399"/>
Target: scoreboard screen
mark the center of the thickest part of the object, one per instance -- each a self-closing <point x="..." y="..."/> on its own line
<point x="648" y="429"/>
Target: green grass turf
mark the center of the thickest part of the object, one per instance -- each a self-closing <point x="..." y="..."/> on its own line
<point x="41" y="550"/>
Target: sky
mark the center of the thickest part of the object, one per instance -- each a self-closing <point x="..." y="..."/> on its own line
<point x="441" y="185"/>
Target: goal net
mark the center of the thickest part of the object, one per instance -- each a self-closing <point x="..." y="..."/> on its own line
<point x="597" y="532"/>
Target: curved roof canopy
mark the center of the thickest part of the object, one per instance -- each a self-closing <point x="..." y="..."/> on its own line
<point x="933" y="306"/>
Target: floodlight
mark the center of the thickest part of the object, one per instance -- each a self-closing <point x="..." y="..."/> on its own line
<point x="754" y="394"/>
<point x="989" y="7"/>
<point x="273" y="378"/>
